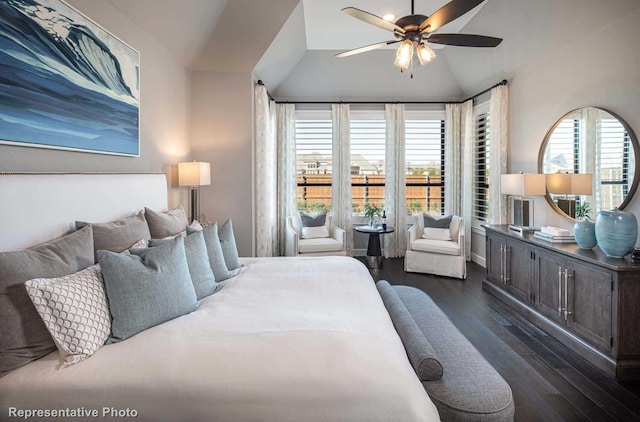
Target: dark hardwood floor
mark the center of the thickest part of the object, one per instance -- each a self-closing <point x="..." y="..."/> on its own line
<point x="549" y="382"/>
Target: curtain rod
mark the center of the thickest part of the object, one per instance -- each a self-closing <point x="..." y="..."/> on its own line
<point x="502" y="82"/>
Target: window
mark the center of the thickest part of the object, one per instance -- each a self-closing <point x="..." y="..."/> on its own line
<point x="313" y="160"/>
<point x="424" y="162"/>
<point x="368" y="135"/>
<point x="481" y="168"/>
<point x="616" y="172"/>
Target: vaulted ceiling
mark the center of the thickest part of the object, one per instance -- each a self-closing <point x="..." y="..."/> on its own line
<point x="291" y="44"/>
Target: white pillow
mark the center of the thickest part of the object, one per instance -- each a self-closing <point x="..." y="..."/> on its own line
<point x="74" y="310"/>
<point x="436" y="234"/>
<point x="315" y="232"/>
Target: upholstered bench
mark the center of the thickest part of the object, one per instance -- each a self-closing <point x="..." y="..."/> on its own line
<point x="460" y="382"/>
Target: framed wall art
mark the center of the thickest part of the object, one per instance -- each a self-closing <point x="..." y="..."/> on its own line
<point x="65" y="82"/>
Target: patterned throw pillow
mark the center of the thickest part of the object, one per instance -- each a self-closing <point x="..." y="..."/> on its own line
<point x="74" y="310"/>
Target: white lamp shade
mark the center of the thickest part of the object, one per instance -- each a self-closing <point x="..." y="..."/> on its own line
<point x="194" y="173"/>
<point x="522" y="184"/>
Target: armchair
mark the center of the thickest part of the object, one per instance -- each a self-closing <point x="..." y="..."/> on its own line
<point x="439" y="257"/>
<point x="296" y="245"/>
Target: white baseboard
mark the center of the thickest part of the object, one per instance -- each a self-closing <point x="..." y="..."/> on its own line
<point x="479" y="259"/>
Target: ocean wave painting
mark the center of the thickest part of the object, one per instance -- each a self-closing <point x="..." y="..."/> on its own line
<point x="65" y="82"/>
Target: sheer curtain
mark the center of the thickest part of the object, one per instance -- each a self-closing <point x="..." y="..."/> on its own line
<point x="341" y="208"/>
<point x="498" y="112"/>
<point x="265" y="173"/>
<point x="395" y="202"/>
<point x="275" y="180"/>
<point x="286" y="171"/>
<point x="458" y="177"/>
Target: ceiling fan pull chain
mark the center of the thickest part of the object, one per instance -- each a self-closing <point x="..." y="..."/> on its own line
<point x="412" y="8"/>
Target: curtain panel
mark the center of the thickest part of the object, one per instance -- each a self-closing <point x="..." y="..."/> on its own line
<point x="341" y="207"/>
<point x="395" y="201"/>
<point x="275" y="172"/>
<point x="498" y="112"/>
<point x="458" y="166"/>
<point x="286" y="185"/>
<point x="265" y="173"/>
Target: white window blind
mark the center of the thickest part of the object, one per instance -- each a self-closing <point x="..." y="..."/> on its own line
<point x="616" y="172"/>
<point x="313" y="162"/>
<point x="368" y="135"/>
<point x="424" y="165"/>
<point x="481" y="169"/>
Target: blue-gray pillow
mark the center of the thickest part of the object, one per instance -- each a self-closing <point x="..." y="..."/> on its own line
<point x="229" y="248"/>
<point x="437" y="223"/>
<point x="147" y="287"/>
<point x="317" y="220"/>
<point x="202" y="277"/>
<point x="214" y="251"/>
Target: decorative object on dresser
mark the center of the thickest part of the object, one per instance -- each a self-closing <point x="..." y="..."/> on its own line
<point x="592" y="141"/>
<point x="582" y="298"/>
<point x="522" y="185"/>
<point x="554" y="235"/>
<point x="616" y="232"/>
<point x="584" y="231"/>
<point x="67" y="83"/>
<point x="194" y="174"/>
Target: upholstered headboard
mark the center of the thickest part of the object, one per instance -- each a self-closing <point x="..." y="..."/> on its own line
<point x="36" y="207"/>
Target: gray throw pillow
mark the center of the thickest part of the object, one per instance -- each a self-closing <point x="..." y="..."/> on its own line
<point x="23" y="335"/>
<point x="317" y="220"/>
<point x="202" y="277"/>
<point x="119" y="235"/>
<point x="165" y="224"/>
<point x="147" y="287"/>
<point x="228" y="243"/>
<point x="214" y="251"/>
<point x="437" y="223"/>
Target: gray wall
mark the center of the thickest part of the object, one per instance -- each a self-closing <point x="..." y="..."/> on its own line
<point x="222" y="128"/>
<point x="164" y="113"/>
<point x="600" y="70"/>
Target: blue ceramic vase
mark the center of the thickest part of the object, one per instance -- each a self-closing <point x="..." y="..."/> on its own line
<point x="584" y="232"/>
<point x="616" y="232"/>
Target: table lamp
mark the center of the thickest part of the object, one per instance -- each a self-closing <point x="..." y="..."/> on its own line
<point x="194" y="174"/>
<point x="520" y="186"/>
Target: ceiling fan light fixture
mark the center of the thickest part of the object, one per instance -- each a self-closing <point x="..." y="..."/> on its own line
<point x="425" y="53"/>
<point x="404" y="54"/>
<point x="390" y="17"/>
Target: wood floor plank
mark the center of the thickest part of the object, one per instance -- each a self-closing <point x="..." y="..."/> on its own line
<point x="549" y="382"/>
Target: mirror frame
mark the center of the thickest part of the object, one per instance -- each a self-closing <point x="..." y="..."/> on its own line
<point x="636" y="152"/>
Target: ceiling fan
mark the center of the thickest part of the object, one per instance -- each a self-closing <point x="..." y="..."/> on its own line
<point x="419" y="30"/>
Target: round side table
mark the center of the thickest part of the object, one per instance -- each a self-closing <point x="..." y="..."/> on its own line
<point x="374" y="252"/>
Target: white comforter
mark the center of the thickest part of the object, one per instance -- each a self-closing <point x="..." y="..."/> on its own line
<point x="289" y="339"/>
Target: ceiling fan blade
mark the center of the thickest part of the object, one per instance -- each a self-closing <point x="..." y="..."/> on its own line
<point x="464" y="40"/>
<point x="373" y="20"/>
<point x="366" y="48"/>
<point x="447" y="13"/>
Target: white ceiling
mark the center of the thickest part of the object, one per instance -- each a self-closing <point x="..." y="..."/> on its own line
<point x="286" y="41"/>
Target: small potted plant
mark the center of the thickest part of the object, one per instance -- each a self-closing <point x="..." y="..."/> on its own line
<point x="371" y="211"/>
<point x="584" y="229"/>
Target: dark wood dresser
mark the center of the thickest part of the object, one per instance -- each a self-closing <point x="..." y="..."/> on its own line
<point x="584" y="299"/>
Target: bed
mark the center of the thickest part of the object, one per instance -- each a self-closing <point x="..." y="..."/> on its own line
<point x="286" y="339"/>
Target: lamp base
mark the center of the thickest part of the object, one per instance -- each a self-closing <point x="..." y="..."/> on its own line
<point x="520" y="229"/>
<point x="195" y="205"/>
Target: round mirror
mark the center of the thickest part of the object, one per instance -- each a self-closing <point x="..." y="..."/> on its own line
<point x="590" y="157"/>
